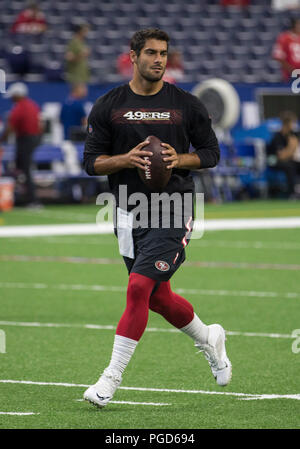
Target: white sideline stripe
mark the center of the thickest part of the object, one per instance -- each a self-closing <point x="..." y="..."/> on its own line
<point x="107" y="228"/>
<point x="18" y="413"/>
<point x="69" y="229"/>
<point x="149" y="329"/>
<point x="163" y="390"/>
<point x="156" y="404"/>
<point x="120" y="289"/>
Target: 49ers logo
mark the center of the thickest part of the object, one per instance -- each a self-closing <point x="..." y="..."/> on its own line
<point x="161" y="265"/>
<point x="146" y="115"/>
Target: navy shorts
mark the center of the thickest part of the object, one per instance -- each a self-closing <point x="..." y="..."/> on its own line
<point x="158" y="252"/>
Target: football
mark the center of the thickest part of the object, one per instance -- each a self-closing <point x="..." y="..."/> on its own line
<point x="157" y="176"/>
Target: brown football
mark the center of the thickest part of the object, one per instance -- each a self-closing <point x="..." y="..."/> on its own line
<point x="157" y="176"/>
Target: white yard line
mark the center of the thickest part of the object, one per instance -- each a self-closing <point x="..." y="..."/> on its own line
<point x="116" y="261"/>
<point x="164" y="390"/>
<point x="238" y="244"/>
<point x="18" y="413"/>
<point x="120" y="289"/>
<point x="107" y="228"/>
<point x="149" y="329"/>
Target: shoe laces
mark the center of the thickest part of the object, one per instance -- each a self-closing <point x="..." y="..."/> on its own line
<point x="112" y="376"/>
<point x="210" y="354"/>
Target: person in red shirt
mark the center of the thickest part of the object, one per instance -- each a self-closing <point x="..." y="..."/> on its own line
<point x="31" y="21"/>
<point x="124" y="66"/>
<point x="24" y="122"/>
<point x="287" y="49"/>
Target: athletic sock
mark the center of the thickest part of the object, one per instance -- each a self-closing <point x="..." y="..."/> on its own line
<point x="123" y="350"/>
<point x="197" y="330"/>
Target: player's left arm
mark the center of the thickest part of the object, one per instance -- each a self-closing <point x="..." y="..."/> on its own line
<point x="206" y="152"/>
<point x="188" y="161"/>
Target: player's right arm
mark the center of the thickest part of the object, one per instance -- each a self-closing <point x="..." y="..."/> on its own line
<point x="107" y="165"/>
<point x="98" y="158"/>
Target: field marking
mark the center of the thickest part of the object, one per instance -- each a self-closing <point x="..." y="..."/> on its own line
<point x="18" y="413"/>
<point x="155" y="404"/>
<point x="107" y="228"/>
<point x="238" y="244"/>
<point x="148" y="329"/>
<point x="163" y="390"/>
<point x="120" y="289"/>
<point x="242" y="244"/>
<point x="111" y="261"/>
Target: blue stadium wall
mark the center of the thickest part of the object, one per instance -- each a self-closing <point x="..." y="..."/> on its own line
<point x="58" y="92"/>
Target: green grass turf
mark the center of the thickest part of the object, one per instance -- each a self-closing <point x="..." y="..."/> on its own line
<point x="77" y="355"/>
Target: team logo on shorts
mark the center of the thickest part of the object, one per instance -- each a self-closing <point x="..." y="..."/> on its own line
<point x="161" y="265"/>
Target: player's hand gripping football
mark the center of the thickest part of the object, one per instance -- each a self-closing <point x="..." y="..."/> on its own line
<point x="135" y="156"/>
<point x="171" y="155"/>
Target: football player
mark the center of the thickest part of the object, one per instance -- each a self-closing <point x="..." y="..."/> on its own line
<point x="118" y="125"/>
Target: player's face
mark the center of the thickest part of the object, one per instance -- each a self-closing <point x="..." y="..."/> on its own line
<point x="152" y="61"/>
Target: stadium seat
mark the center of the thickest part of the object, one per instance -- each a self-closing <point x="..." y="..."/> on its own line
<point x="245" y="34"/>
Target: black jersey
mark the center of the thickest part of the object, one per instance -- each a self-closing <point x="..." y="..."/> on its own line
<point x="121" y="119"/>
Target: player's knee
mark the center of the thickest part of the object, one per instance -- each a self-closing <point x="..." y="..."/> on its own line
<point x="139" y="287"/>
<point x="158" y="305"/>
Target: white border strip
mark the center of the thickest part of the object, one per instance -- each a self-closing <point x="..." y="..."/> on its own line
<point x="247" y="396"/>
<point x="107" y="228"/>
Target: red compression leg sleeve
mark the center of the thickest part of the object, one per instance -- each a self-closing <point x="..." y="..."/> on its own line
<point x="175" y="309"/>
<point x="135" y="317"/>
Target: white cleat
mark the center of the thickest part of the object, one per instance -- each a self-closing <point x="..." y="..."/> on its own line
<point x="102" y="392"/>
<point x="215" y="353"/>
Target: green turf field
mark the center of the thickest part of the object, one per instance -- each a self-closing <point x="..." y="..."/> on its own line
<point x="61" y="300"/>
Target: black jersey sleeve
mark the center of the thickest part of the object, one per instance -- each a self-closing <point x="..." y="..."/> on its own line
<point x="98" y="140"/>
<point x="202" y="136"/>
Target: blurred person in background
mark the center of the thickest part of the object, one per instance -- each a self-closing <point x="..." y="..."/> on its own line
<point x="174" y="70"/>
<point x="287" y="49"/>
<point x="31" y="21"/>
<point x="76" y="57"/>
<point x="72" y="114"/>
<point x="283" y="152"/>
<point x="24" y="122"/>
<point x="124" y="66"/>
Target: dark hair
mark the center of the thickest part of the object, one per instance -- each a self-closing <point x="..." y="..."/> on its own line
<point x="78" y="27"/>
<point x="287" y="117"/>
<point x="140" y="37"/>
